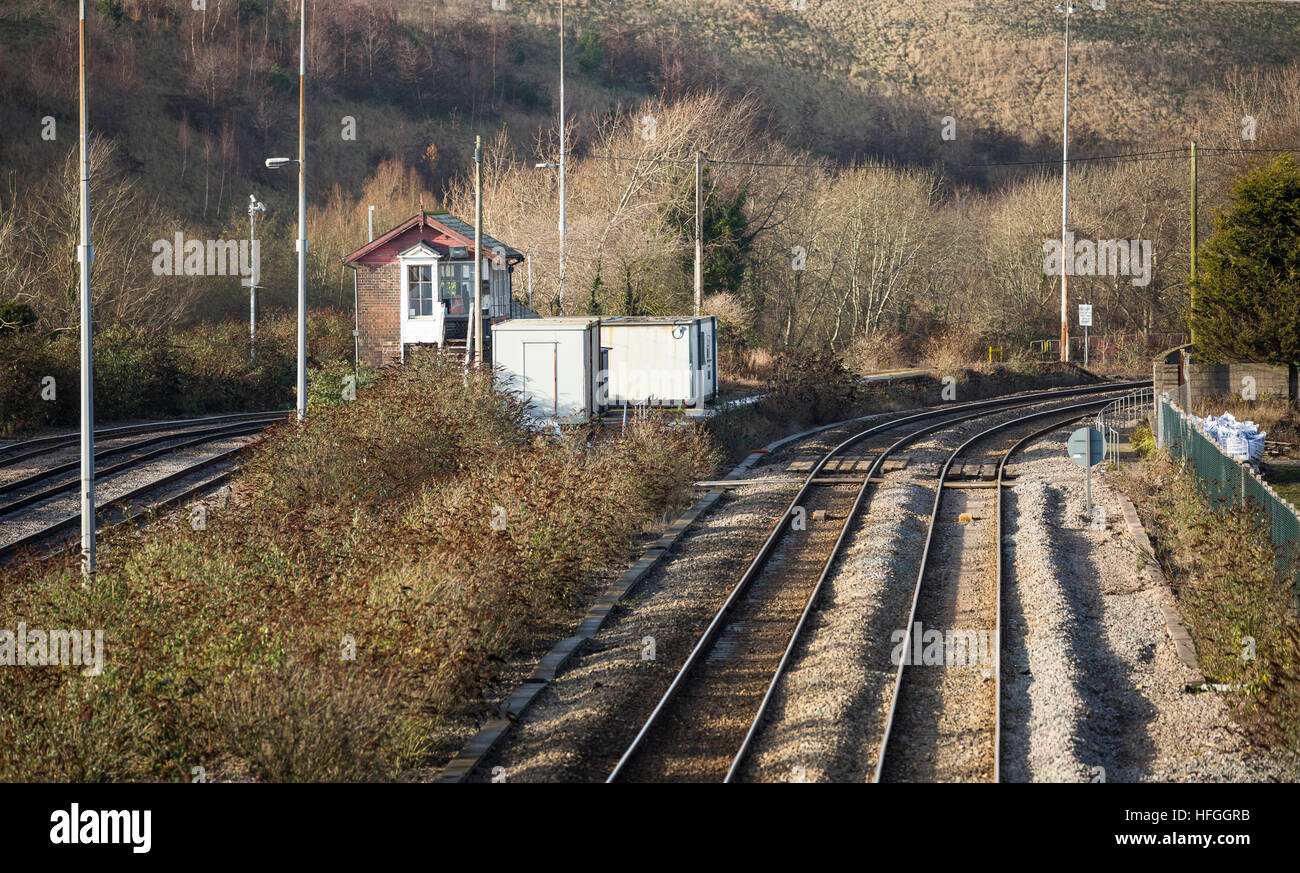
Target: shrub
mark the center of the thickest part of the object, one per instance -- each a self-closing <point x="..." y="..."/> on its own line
<point x="15" y="316"/>
<point x="1224" y="567"/>
<point x="135" y="373"/>
<point x="1248" y="280"/>
<point x="423" y="521"/>
<point x="812" y="387"/>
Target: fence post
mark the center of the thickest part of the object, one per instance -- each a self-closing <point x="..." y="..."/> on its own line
<point x="1160" y="422"/>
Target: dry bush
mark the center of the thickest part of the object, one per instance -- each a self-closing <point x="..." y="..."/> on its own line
<point x="1226" y="572"/>
<point x="372" y="520"/>
<point x="879" y="350"/>
<point x="953" y="349"/>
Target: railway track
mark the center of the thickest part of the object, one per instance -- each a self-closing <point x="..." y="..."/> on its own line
<point x="944" y="717"/>
<point x="43" y="490"/>
<point x="704" y="725"/>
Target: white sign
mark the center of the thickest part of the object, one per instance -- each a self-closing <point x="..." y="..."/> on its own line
<point x="1085" y="315"/>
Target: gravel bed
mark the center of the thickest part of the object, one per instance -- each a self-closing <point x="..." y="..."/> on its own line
<point x="577" y="728"/>
<point x="1093" y="688"/>
<point x="828" y="714"/>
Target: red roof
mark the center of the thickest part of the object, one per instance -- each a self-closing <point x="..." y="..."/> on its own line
<point x="423" y="227"/>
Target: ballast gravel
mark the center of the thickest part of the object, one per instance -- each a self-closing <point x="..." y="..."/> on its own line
<point x="1093" y="688"/>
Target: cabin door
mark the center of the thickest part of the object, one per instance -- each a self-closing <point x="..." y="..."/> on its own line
<point x="542" y="376"/>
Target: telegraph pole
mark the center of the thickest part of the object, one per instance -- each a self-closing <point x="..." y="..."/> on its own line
<point x="85" y="256"/>
<point x="699" y="230"/>
<point x="1191" y="329"/>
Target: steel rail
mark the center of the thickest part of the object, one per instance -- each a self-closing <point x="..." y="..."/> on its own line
<point x="58" y="441"/>
<point x="768" y="546"/>
<point x="796" y="634"/>
<point x="925" y="556"/>
<point x="997" y="642"/>
<point x="50" y="472"/>
<point x="12" y="548"/>
<point x="194" y="439"/>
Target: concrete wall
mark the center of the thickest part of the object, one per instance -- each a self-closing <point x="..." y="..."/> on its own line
<point x="1173" y="373"/>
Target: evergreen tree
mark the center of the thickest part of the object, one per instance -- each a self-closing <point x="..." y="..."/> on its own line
<point x="1248" y="283"/>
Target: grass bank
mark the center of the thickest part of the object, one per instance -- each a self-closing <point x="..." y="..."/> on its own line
<point x="141" y="373"/>
<point x="1241" y="613"/>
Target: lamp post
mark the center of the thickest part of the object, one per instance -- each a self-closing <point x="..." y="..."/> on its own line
<point x="562" y="166"/>
<point x="301" y="244"/>
<point x="542" y="165"/>
<point x="254" y="206"/>
<point x="86" y="256"/>
<point x="564" y="225"/>
<point x="1068" y="9"/>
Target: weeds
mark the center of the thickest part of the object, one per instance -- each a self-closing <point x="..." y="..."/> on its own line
<point x="1240" y="610"/>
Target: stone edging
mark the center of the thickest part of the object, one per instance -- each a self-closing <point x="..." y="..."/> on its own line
<point x="1183" y="644"/>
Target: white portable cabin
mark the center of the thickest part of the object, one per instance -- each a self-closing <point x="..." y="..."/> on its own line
<point x="664" y="361"/>
<point x="555" y="363"/>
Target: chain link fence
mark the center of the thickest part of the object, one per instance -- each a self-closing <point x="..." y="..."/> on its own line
<point x="1228" y="482"/>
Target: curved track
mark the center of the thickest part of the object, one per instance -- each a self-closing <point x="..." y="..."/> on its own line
<point x="943" y="722"/>
<point x="704" y="724"/>
<point x="41" y="490"/>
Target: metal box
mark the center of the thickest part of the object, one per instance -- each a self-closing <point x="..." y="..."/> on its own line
<point x="661" y="361"/>
<point x="554" y="363"/>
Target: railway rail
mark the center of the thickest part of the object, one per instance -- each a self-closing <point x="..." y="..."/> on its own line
<point x="705" y="723"/>
<point x="45" y="485"/>
<point x="944" y="720"/>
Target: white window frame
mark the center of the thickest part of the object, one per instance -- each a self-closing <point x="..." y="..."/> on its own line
<point x="419" y="328"/>
<point x="430" y="260"/>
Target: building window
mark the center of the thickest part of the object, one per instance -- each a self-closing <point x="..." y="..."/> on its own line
<point x="456" y="286"/>
<point x="420" y="290"/>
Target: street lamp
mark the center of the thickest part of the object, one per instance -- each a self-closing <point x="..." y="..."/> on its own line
<point x="301" y="247"/>
<point x="254" y="206"/>
<point x="85" y="257"/>
<point x="301" y="244"/>
<point x="561" y="166"/>
<point x="544" y="165"/>
<point x="1068" y="9"/>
